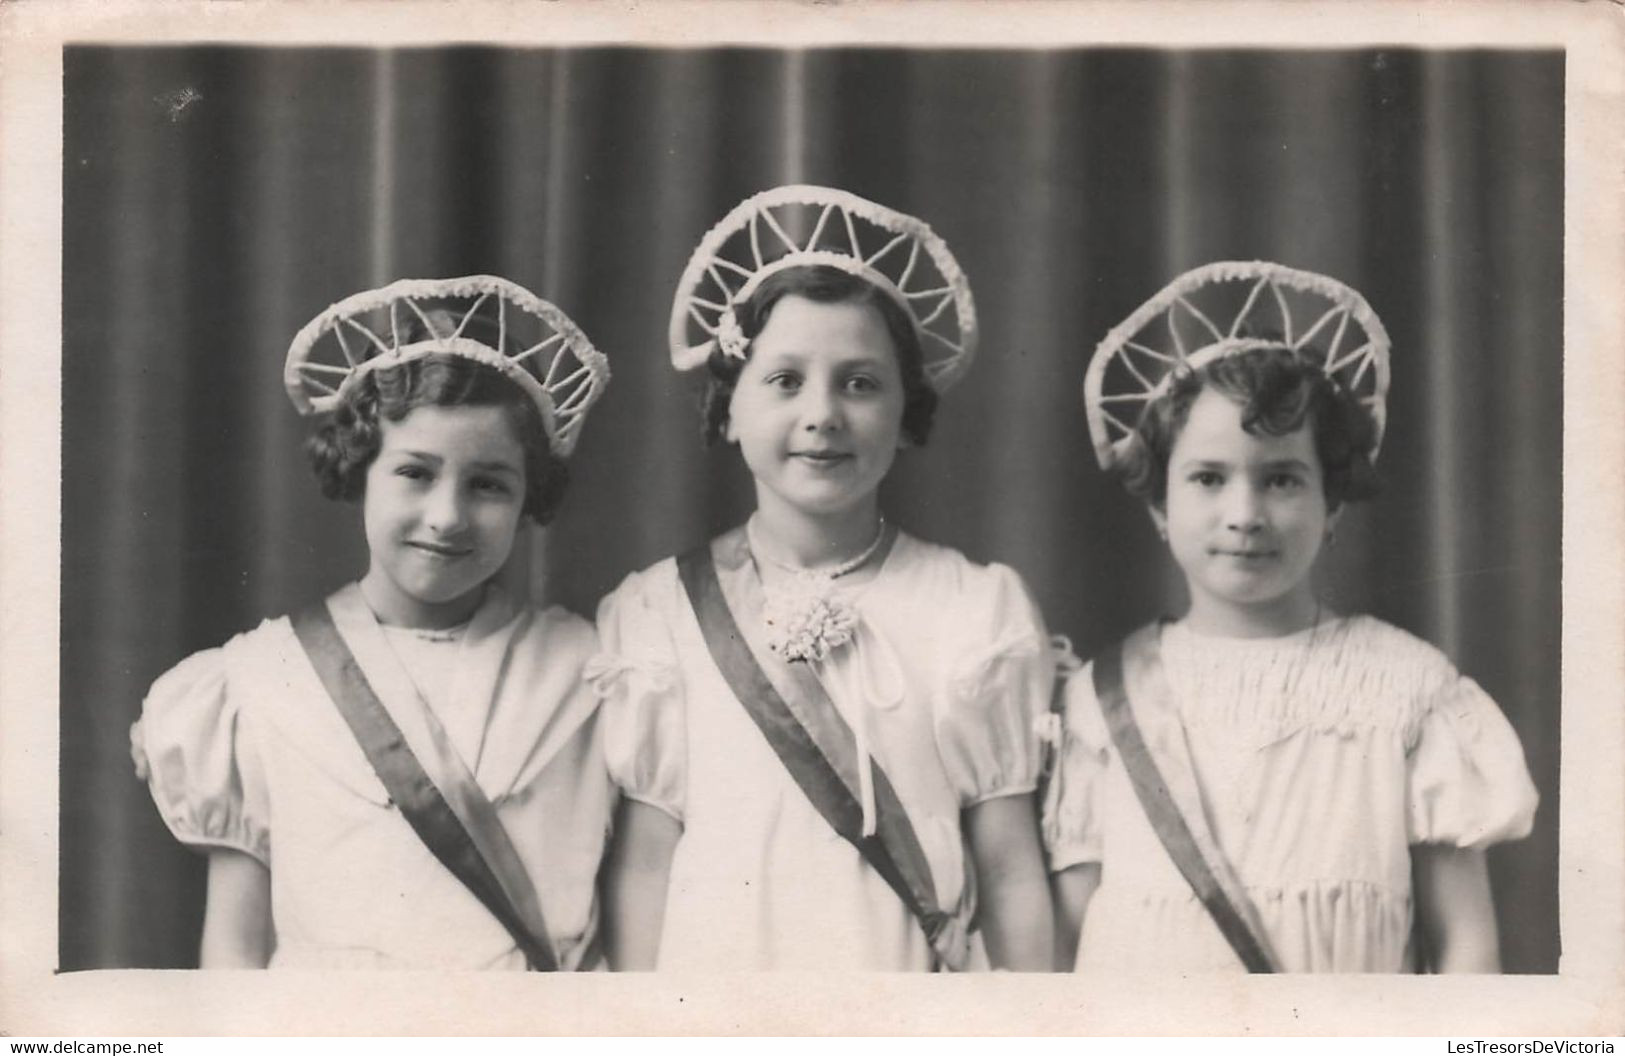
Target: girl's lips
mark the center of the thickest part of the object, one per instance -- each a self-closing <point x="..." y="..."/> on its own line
<point x="821" y="458"/>
<point x="441" y="551"/>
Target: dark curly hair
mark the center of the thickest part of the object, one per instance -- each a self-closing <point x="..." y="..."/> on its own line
<point x="1278" y="392"/>
<point x="343" y="448"/>
<point x="825" y="285"/>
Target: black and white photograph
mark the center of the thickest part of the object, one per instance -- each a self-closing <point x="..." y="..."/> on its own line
<point x="837" y="493"/>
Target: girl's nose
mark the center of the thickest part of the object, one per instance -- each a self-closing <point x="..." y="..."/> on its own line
<point x="821" y="409"/>
<point x="1243" y="511"/>
<point x="443" y="510"/>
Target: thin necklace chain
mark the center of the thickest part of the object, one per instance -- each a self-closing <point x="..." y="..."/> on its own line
<point x="846" y="568"/>
<point x="431" y="634"/>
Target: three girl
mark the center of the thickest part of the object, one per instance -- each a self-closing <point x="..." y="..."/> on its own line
<point x="408" y="774"/>
<point x="1256" y="784"/>
<point x="822" y="726"/>
<point x="823" y="730"/>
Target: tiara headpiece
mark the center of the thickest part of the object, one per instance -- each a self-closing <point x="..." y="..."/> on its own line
<point x="536" y="346"/>
<point x="806" y="225"/>
<point x="1221" y="309"/>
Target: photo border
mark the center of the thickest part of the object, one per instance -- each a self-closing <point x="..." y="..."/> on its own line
<point x="1587" y="996"/>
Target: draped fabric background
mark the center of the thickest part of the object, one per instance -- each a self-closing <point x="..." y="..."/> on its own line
<point x="216" y="198"/>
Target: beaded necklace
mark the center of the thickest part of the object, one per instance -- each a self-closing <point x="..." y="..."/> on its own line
<point x="805" y="618"/>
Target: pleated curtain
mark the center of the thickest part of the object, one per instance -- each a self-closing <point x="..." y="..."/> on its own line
<point x="216" y="198"/>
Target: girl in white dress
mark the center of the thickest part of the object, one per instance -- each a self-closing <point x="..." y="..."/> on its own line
<point x="823" y="727"/>
<point x="307" y="756"/>
<point x="1264" y="784"/>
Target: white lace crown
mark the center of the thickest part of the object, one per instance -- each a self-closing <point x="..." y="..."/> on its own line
<point x="802" y="224"/>
<point x="1221" y="309"/>
<point x="537" y="346"/>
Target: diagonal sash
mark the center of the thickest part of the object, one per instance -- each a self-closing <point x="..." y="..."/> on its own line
<point x="422" y="803"/>
<point x="817" y="747"/>
<point x="1134" y="669"/>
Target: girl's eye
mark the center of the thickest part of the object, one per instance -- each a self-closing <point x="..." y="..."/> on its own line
<point x="1206" y="478"/>
<point x="785" y="381"/>
<point x="412" y="471"/>
<point x="492" y="486"/>
<point x="1285" y="481"/>
<point x="862" y="383"/>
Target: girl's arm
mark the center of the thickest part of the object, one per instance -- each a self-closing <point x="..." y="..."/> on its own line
<point x="237" y="930"/>
<point x="1073" y="888"/>
<point x="1454" y="908"/>
<point x="636" y="873"/>
<point x="1017" y="921"/>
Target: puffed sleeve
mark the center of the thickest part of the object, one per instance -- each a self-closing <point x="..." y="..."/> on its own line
<point x="988" y="724"/>
<point x="1468" y="783"/>
<point x="204" y="772"/>
<point x="1072" y="815"/>
<point x="638" y="681"/>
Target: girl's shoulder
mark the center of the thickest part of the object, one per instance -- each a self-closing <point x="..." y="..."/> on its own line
<point x="643" y="585"/>
<point x="1376" y="646"/>
<point x="212" y="664"/>
<point x="935" y="567"/>
<point x="979" y="615"/>
<point x="558" y="624"/>
<point x="640" y="611"/>
<point x="554" y="637"/>
<point x="250" y="664"/>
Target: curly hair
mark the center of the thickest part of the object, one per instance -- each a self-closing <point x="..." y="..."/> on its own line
<point x="824" y="285"/>
<point x="1278" y="393"/>
<point x="343" y="448"/>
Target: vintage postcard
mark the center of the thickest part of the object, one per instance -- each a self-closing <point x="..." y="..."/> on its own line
<point x="1417" y="766"/>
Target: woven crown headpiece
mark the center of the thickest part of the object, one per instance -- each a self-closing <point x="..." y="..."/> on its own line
<point x="536" y="346"/>
<point x="805" y="225"/>
<point x="1219" y="310"/>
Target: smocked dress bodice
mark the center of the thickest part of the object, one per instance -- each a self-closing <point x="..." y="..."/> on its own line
<point x="1321" y="757"/>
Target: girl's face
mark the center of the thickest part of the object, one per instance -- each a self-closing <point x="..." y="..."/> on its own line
<point x="1245" y="517"/>
<point x="818" y="408"/>
<point x="442" y="506"/>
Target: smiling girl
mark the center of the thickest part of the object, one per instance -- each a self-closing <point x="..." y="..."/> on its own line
<point x="409" y="773"/>
<point x="1265" y="784"/>
<point x="822" y="726"/>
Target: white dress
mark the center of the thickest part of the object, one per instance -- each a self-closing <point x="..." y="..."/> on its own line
<point x="1321" y="758"/>
<point x="949" y="670"/>
<point x="243" y="748"/>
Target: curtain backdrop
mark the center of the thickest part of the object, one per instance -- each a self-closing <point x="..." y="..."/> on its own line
<point x="216" y="198"/>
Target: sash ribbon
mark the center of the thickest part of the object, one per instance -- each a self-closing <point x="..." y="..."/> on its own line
<point x="456" y="822"/>
<point x="1131" y="679"/>
<point x="806" y="731"/>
